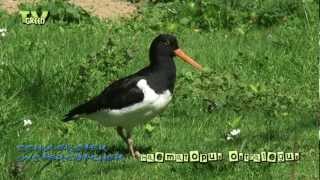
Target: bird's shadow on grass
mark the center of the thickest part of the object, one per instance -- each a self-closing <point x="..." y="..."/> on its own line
<point x="114" y="149"/>
<point x="124" y="150"/>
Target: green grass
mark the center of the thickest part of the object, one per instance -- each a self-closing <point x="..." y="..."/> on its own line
<point x="262" y="81"/>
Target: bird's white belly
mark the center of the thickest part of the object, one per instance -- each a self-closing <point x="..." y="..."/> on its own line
<point x="135" y="114"/>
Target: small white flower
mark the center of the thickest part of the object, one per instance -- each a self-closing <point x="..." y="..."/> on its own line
<point x="229" y="138"/>
<point x="27" y="122"/>
<point x="3" y="30"/>
<point x="235" y="132"/>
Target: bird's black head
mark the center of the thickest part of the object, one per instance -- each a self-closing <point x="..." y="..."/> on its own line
<point x="164" y="45"/>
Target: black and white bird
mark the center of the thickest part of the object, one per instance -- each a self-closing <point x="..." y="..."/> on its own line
<point x="138" y="98"/>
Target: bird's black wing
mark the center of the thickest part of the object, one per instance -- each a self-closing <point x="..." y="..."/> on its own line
<point x="119" y="94"/>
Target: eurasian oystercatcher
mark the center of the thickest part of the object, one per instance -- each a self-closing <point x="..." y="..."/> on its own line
<point x="139" y="97"/>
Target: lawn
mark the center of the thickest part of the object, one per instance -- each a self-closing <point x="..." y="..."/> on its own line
<point x="261" y="80"/>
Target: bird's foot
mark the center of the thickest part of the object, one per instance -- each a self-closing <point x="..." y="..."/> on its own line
<point x="137" y="155"/>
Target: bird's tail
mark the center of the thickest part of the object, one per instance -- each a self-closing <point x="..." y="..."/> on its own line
<point x="73" y="114"/>
<point x="68" y="117"/>
<point x="84" y="108"/>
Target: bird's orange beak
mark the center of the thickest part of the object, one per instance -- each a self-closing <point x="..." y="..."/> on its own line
<point x="187" y="59"/>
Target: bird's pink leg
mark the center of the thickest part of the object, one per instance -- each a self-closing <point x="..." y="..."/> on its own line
<point x="134" y="153"/>
<point x="128" y="139"/>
